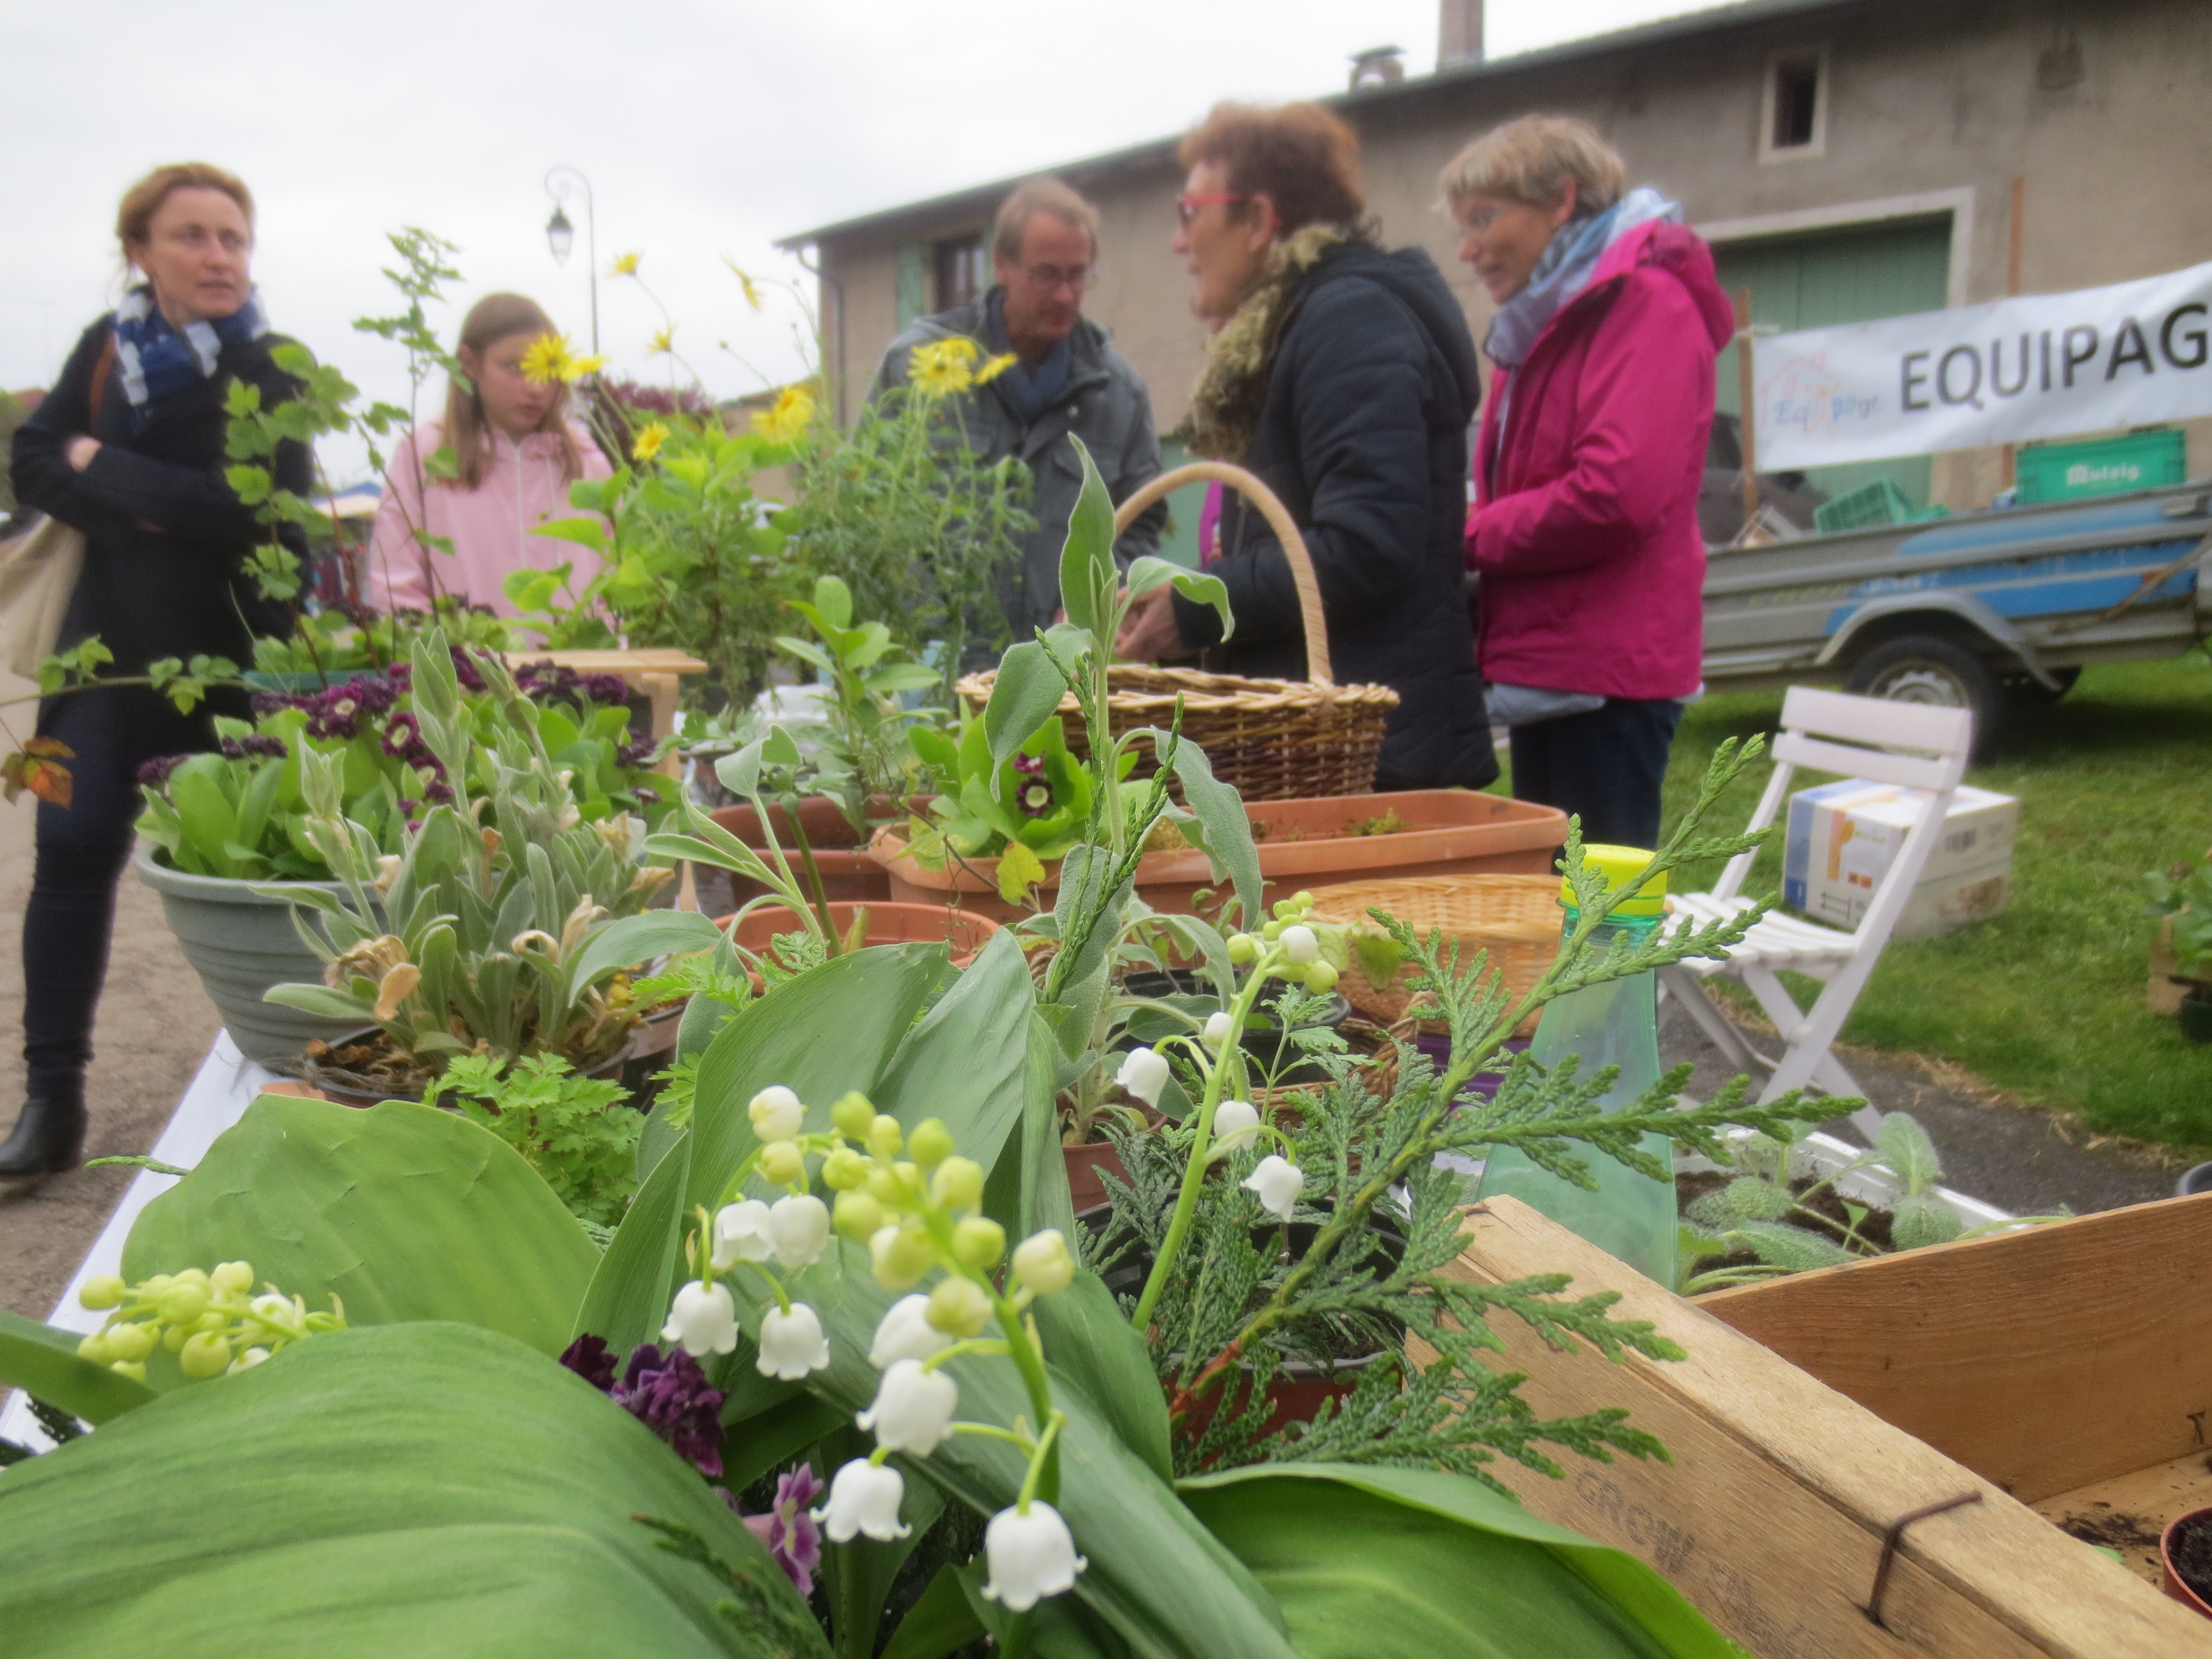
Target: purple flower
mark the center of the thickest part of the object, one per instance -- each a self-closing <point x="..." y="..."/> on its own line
<point x="438" y="792"/>
<point x="672" y="1397"/>
<point x="634" y="755"/>
<point x="589" y="1357"/>
<point x="464" y="671"/>
<point x="1031" y="793"/>
<point x="788" y="1530"/>
<point x="265" y="703"/>
<point x="253" y="743"/>
<point x="401" y="735"/>
<point x="154" y="774"/>
<point x="607" y="689"/>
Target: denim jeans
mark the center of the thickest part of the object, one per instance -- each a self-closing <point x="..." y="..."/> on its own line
<point x="1604" y="767"/>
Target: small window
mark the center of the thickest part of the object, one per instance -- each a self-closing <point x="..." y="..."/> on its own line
<point x="1796" y="106"/>
<point x="960" y="272"/>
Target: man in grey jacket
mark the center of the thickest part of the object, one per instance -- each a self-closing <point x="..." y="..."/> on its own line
<point x="1069" y="378"/>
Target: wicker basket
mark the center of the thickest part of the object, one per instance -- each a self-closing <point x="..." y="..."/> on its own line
<point x="1515" y="918"/>
<point x="1272" y="739"/>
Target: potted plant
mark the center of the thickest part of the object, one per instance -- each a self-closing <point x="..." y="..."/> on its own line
<point x="2183" y="896"/>
<point x="2184" y="1553"/>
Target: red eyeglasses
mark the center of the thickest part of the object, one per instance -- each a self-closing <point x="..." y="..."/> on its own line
<point x="1187" y="207"/>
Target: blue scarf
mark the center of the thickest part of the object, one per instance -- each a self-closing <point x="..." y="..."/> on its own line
<point x="158" y="362"/>
<point x="1564" y="269"/>
<point x="1028" y="392"/>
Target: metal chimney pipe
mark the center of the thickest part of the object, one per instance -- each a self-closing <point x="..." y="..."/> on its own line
<point x="1459" y="32"/>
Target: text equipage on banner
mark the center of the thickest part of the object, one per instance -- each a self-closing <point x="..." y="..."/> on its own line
<point x="2039" y="366"/>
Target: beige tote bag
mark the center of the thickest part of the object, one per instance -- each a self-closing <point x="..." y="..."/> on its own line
<point x="39" y="569"/>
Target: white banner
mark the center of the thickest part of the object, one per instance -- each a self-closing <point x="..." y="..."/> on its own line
<point x="2039" y="366"/>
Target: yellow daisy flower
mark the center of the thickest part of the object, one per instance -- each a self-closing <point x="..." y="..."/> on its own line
<point x="994" y="366"/>
<point x="547" y="360"/>
<point x="941" y="367"/>
<point x="625" y="265"/>
<point x="661" y="344"/>
<point x="787" y="419"/>
<point x="579" y="367"/>
<point x="753" y="297"/>
<point x="649" y="441"/>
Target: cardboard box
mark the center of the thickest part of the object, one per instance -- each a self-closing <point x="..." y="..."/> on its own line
<point x="1843" y="837"/>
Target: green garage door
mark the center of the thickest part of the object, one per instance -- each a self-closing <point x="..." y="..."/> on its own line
<point x="1833" y="277"/>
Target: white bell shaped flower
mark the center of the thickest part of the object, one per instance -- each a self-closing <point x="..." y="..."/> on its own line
<point x="799" y="1223"/>
<point x="1217" y="1027"/>
<point x="1278" y="1181"/>
<point x="1300" y="944"/>
<point x="703" y="1319"/>
<point x="1032" y="1556"/>
<point x="741" y="1234"/>
<point x="906" y="1333"/>
<point x="1144" y="1074"/>
<point x="1236" y="1126"/>
<point x="912" y="1408"/>
<point x="776" y="1113"/>
<point x="864" y="1498"/>
<point x="1042" y="1262"/>
<point x="792" y="1344"/>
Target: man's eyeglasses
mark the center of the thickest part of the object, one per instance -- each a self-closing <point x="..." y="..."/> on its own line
<point x="1055" y="278"/>
<point x="1187" y="207"/>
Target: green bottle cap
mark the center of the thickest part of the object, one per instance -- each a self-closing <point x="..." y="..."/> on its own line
<point x="1619" y="865"/>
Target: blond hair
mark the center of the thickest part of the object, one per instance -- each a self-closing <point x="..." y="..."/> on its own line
<point x="1533" y="160"/>
<point x="134" y="219"/>
<point x="494" y="318"/>
<point x="1035" y="197"/>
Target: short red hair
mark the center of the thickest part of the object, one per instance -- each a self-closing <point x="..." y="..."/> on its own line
<point x="134" y="220"/>
<point x="1302" y="157"/>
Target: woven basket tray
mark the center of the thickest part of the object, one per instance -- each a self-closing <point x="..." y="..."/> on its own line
<point x="1272" y="739"/>
<point x="1515" y="918"/>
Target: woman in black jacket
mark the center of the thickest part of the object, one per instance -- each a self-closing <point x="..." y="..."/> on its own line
<point x="127" y="448"/>
<point x="1345" y="377"/>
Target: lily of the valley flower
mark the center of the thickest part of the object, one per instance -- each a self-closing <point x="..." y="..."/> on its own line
<point x="1032" y="1556"/>
<point x="775" y="1113"/>
<point x="792" y="1344"/>
<point x="703" y="1319"/>
<point x="1043" y="1263"/>
<point x="1300" y="944"/>
<point x="905" y="1333"/>
<point x="1217" y="1027"/>
<point x="864" y="1498"/>
<point x="742" y="1233"/>
<point x="1236" y="1126"/>
<point x="1144" y="1074"/>
<point x="960" y="1306"/>
<point x="799" y="1223"/>
<point x="1278" y="1181"/>
<point x="913" y="1408"/>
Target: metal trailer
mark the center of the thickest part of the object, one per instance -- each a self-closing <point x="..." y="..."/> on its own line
<point x="1990" y="610"/>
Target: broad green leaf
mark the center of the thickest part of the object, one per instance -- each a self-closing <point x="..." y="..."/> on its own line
<point x="425" y="1489"/>
<point x="1087" y="575"/>
<point x="630" y="940"/>
<point x="1019" y="870"/>
<point x="1200" y="588"/>
<point x="1919" y="1219"/>
<point x="628" y="1297"/>
<point x="1092" y="1341"/>
<point x="1023" y="697"/>
<point x="834" y="600"/>
<point x="586" y="532"/>
<point x="1904" y="1146"/>
<point x="939" y="1623"/>
<point x="859" y="1575"/>
<point x="1223" y="829"/>
<point x="1795" y="1248"/>
<point x="967" y="1061"/>
<point x="45" y="1363"/>
<point x="403" y="1212"/>
<point x="1406" y="1564"/>
<point x="321" y="999"/>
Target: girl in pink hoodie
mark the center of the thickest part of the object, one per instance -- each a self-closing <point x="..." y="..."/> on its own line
<point x="515" y="451"/>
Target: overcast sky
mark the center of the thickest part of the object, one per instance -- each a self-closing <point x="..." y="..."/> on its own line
<point x="708" y="128"/>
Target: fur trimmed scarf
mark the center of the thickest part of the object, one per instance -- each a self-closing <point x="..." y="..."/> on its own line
<point x="1232" y="388"/>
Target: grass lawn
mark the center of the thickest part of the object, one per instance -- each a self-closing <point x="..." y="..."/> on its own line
<point x="2047" y="1000"/>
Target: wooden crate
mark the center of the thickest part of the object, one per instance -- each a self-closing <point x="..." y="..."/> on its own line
<point x="1772" y="1516"/>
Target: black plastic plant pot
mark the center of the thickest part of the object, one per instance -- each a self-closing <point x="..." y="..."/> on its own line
<point x="2195" y="1016"/>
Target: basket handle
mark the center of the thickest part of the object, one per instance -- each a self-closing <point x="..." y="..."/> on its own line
<point x="1318" y="667"/>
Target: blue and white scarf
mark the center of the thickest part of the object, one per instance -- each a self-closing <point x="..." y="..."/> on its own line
<point x="1564" y="269"/>
<point x="159" y="361"/>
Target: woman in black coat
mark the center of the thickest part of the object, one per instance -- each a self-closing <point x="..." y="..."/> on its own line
<point x="127" y="448"/>
<point x="1344" y="376"/>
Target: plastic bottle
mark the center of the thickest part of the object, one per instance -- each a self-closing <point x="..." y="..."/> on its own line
<point x="1629" y="1216"/>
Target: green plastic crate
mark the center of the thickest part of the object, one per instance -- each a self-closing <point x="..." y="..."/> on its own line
<point x="2108" y="466"/>
<point x="1877" y="503"/>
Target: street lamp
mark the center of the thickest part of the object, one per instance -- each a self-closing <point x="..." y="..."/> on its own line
<point x="561" y="236"/>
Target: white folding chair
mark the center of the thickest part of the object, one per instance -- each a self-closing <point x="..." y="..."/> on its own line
<point x="1855" y="737"/>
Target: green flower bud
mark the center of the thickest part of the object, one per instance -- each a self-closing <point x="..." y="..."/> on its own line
<point x="958" y="1183"/>
<point x="959" y="1307"/>
<point x="1242" y="948"/>
<point x="856" y="1216"/>
<point x="213" y="1320"/>
<point x="93" y="1347"/>
<point x="781" y="1162"/>
<point x="205" y="1354"/>
<point x="932" y="1143"/>
<point x="184" y="1305"/>
<point x="174" y="1337"/>
<point x="843" y="1170"/>
<point x="102" y="1290"/>
<point x="885" y="1137"/>
<point x="1320" y="977"/>
<point x="133" y="1369"/>
<point x="853" y="1116"/>
<point x="978" y="1243"/>
<point x="1303" y="900"/>
<point x="1271" y="932"/>
<point x="193" y="1276"/>
<point x="156" y="1287"/>
<point x="130" y="1342"/>
<point x="233" y="1278"/>
<point x="1043" y="1263"/>
<point x="886" y="1186"/>
<point x="900" y="1255"/>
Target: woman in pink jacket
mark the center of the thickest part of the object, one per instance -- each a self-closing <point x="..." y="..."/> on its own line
<point x="515" y="451"/>
<point x="1584" y="531"/>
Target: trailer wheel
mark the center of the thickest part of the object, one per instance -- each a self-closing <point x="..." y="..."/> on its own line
<point x="1928" y="668"/>
<point x="2026" y="691"/>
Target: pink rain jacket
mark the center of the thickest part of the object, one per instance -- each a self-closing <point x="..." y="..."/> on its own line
<point x="1585" y="527"/>
<point x="490" y="525"/>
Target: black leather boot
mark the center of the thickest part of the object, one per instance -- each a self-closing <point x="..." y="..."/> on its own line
<point x="49" y="1138"/>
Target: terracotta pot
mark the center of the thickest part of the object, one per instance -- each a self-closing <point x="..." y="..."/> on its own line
<point x="2170" y="1580"/>
<point x="1085" y="1165"/>
<point x="887" y="923"/>
<point x="849" y="876"/>
<point x="1303" y="843"/>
